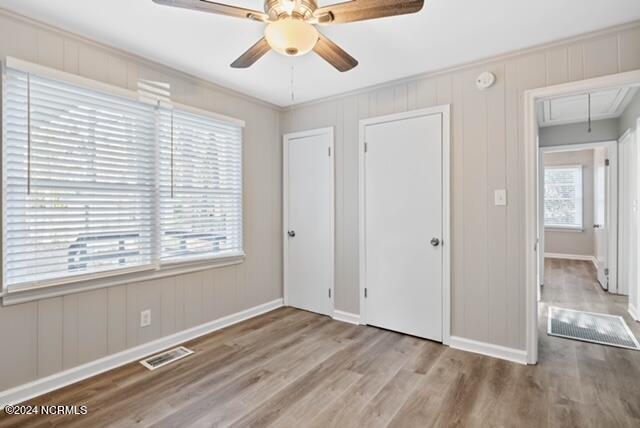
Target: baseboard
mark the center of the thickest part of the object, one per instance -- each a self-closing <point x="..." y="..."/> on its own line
<point x="38" y="387"/>
<point x="491" y="350"/>
<point x="346" y="317"/>
<point x="633" y="311"/>
<point x="570" y="257"/>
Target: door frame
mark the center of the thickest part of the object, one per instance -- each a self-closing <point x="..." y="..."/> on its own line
<point x="611" y="208"/>
<point x="286" y="138"/>
<point x="444" y="110"/>
<point x="634" y="306"/>
<point x="530" y="152"/>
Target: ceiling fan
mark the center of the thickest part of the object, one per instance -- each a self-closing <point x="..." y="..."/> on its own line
<point x="291" y="24"/>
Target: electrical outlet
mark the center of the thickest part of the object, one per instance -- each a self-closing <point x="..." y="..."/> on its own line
<point x="145" y="318"/>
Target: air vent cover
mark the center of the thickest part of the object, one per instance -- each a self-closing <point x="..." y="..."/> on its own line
<point x="604" y="329"/>
<point x="166" y="357"/>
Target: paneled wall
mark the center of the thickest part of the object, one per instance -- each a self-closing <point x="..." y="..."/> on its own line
<point x="46" y="336"/>
<point x="488" y="284"/>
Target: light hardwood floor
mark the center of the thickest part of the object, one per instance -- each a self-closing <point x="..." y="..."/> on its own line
<point x="291" y="368"/>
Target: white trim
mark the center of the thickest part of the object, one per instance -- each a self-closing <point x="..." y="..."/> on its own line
<point x="489" y="349"/>
<point x="445" y="111"/>
<point x="633" y="312"/>
<point x="575" y="147"/>
<point x="347" y="317"/>
<point x="530" y="148"/>
<point x="564" y="229"/>
<point x="144" y="61"/>
<point x="74" y="79"/>
<point x="285" y="206"/>
<point x="22" y="296"/>
<point x="38" y="387"/>
<point x="472" y="65"/>
<point x="571" y="257"/>
<point x="616" y="108"/>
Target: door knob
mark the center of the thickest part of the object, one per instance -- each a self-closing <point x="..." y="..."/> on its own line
<point x="291" y="233"/>
<point x="597" y="226"/>
<point x="435" y="242"/>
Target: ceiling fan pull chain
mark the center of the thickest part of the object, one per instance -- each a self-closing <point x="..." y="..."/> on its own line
<point x="589" y="102"/>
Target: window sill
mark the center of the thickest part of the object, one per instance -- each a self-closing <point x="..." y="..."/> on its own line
<point x="178" y="268"/>
<point x="563" y="229"/>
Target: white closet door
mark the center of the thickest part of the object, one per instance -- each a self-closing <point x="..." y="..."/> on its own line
<point x="403" y="225"/>
<point x="601" y="220"/>
<point x="309" y="228"/>
<point x="627" y="228"/>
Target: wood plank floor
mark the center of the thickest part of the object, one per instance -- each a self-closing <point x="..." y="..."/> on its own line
<point x="291" y="368"/>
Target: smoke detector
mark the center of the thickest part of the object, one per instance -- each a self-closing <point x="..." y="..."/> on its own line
<point x="485" y="80"/>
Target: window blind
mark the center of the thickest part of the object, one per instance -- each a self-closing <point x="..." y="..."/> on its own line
<point x="78" y="180"/>
<point x="96" y="183"/>
<point x="200" y="187"/>
<point x="563" y="197"/>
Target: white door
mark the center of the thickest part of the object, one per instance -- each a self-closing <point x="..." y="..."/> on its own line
<point x="600" y="215"/>
<point x="540" y="231"/>
<point x="628" y="188"/>
<point x="309" y="221"/>
<point x="404" y="224"/>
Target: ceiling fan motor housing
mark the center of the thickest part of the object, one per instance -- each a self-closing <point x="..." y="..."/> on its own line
<point x="301" y="9"/>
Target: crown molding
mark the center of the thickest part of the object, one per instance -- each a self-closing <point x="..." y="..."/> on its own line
<point x="126" y="55"/>
<point x="473" y="64"/>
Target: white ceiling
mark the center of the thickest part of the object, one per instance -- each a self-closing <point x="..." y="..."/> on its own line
<point x="443" y="34"/>
<point x="605" y="104"/>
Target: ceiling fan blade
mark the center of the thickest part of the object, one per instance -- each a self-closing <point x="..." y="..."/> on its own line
<point x="361" y="10"/>
<point x="334" y="54"/>
<point x="253" y="54"/>
<point x="217" y="8"/>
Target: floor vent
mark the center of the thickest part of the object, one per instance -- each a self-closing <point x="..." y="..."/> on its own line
<point x="592" y="327"/>
<point x="166" y="357"/>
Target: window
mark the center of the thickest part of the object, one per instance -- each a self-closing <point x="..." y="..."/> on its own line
<point x="100" y="184"/>
<point x="563" y="197"/>
<point x="200" y="187"/>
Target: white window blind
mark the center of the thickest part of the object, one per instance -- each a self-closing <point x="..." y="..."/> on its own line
<point x="99" y="184"/>
<point x="78" y="180"/>
<point x="200" y="187"/>
<point x="563" y="197"/>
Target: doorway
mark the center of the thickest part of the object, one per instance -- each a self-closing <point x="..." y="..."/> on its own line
<point x="308" y="220"/>
<point x="404" y="223"/>
<point x="578" y="200"/>
<point x="534" y="246"/>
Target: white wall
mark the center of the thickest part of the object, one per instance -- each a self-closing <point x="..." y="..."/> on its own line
<point x="573" y="242"/>
<point x="629" y="117"/>
<point x="628" y="216"/>
<point x="629" y="155"/>
<point x="488" y="283"/>
<point x="577" y="133"/>
<point x="43" y="337"/>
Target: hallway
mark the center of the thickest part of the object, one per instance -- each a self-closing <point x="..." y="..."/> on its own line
<point x="607" y="378"/>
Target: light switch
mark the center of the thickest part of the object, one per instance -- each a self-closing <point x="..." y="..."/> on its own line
<point x="145" y="318"/>
<point x="500" y="196"/>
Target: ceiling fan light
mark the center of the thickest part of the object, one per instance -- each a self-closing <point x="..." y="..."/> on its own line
<point x="291" y="37"/>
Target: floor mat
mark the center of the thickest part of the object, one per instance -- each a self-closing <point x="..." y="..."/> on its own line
<point x="591" y="327"/>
